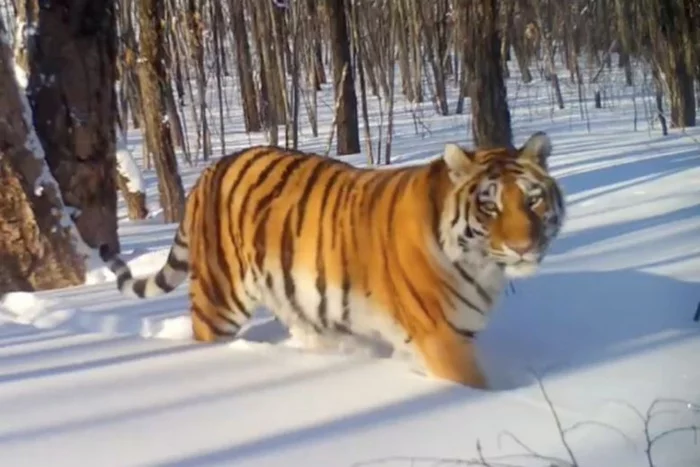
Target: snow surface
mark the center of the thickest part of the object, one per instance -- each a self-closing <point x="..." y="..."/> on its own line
<point x="90" y="378"/>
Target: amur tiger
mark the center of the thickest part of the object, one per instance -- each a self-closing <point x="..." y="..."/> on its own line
<point x="417" y="255"/>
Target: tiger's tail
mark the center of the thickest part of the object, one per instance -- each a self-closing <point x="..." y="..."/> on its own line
<point x="173" y="273"/>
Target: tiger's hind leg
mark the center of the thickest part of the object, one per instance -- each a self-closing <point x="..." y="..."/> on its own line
<point x="212" y="320"/>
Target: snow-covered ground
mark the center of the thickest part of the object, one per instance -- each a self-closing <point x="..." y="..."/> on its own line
<point x="89" y="378"/>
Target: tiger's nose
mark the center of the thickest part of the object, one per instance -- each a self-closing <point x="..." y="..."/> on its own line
<point x="520" y="247"/>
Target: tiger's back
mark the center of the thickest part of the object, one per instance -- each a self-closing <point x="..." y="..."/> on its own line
<point x="330" y="248"/>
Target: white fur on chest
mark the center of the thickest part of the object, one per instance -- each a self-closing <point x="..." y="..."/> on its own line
<point x="470" y="311"/>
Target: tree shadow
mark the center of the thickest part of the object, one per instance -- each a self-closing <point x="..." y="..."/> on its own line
<point x="626" y="170"/>
<point x="174" y="403"/>
<point x="369" y="419"/>
<point x="564" y="321"/>
<point x="82" y="349"/>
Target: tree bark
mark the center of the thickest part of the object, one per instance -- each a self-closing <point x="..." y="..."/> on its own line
<point x="320" y="72"/>
<point x="490" y="114"/>
<point x="153" y="78"/>
<point x="245" y="67"/>
<point x="37" y="239"/>
<point x="348" y="131"/>
<point x="195" y="39"/>
<point x="130" y="182"/>
<point x="71" y="57"/>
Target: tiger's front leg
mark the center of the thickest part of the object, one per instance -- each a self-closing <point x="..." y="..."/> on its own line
<point x="451" y="356"/>
<point x="304" y="336"/>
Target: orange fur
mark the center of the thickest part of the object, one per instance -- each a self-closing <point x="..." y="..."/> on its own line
<point x="334" y="249"/>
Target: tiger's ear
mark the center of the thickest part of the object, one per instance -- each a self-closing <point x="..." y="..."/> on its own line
<point x="536" y="149"/>
<point x="459" y="161"/>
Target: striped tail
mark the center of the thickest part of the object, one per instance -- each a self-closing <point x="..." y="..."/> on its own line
<point x="172" y="274"/>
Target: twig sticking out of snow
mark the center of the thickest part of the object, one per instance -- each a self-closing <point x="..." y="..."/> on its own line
<point x="550" y="461"/>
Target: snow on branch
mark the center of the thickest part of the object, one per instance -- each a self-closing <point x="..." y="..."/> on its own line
<point x="127" y="168"/>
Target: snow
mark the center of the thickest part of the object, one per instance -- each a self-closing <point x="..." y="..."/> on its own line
<point x="89" y="377"/>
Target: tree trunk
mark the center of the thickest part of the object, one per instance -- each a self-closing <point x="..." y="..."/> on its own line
<point x="245" y="67"/>
<point x="153" y="78"/>
<point x="490" y="114"/>
<point x="130" y="182"/>
<point x="195" y="40"/>
<point x="37" y="239"/>
<point x="348" y="132"/>
<point x="320" y="73"/>
<point x="71" y="57"/>
<point x="681" y="93"/>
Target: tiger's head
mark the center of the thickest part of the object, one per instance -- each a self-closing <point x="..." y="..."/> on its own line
<point x="504" y="204"/>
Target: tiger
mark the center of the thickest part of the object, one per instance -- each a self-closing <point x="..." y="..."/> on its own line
<point x="414" y="255"/>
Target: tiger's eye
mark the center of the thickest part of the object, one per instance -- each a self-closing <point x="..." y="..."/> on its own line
<point x="534" y="198"/>
<point x="489" y="207"/>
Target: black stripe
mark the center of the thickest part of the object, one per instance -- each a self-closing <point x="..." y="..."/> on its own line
<point x="262" y="211"/>
<point x="320" y="259"/>
<point x="341" y="203"/>
<point x="224" y="316"/>
<point x="404" y="179"/>
<point x="260" y="240"/>
<point x="221" y="259"/>
<point x="310" y="183"/>
<point x="479" y="289"/>
<point x="273" y="194"/>
<point x="215" y="208"/>
<point x="321" y="279"/>
<point x="178" y="239"/>
<point x="354" y="211"/>
<point x="162" y="283"/>
<point x="415" y="294"/>
<point x="139" y="287"/>
<point x="346" y="286"/>
<point x="271" y="164"/>
<point x="375" y="193"/>
<point x="210" y="290"/>
<point x="342" y="329"/>
<point x="462" y="332"/>
<point x="395" y="307"/>
<point x="330" y="183"/>
<point x="462" y="298"/>
<point x="117" y="264"/>
<point x="177" y="264"/>
<point x="233" y="191"/>
<point x="238" y="302"/>
<point x="196" y="310"/>
<point x="121" y="279"/>
<point x="287" y="265"/>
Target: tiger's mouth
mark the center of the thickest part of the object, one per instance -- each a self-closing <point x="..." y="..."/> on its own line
<point x="521" y="269"/>
<point x="517" y="266"/>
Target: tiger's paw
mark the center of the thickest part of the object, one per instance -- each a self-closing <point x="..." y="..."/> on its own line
<point x="309" y="339"/>
<point x="450" y="357"/>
